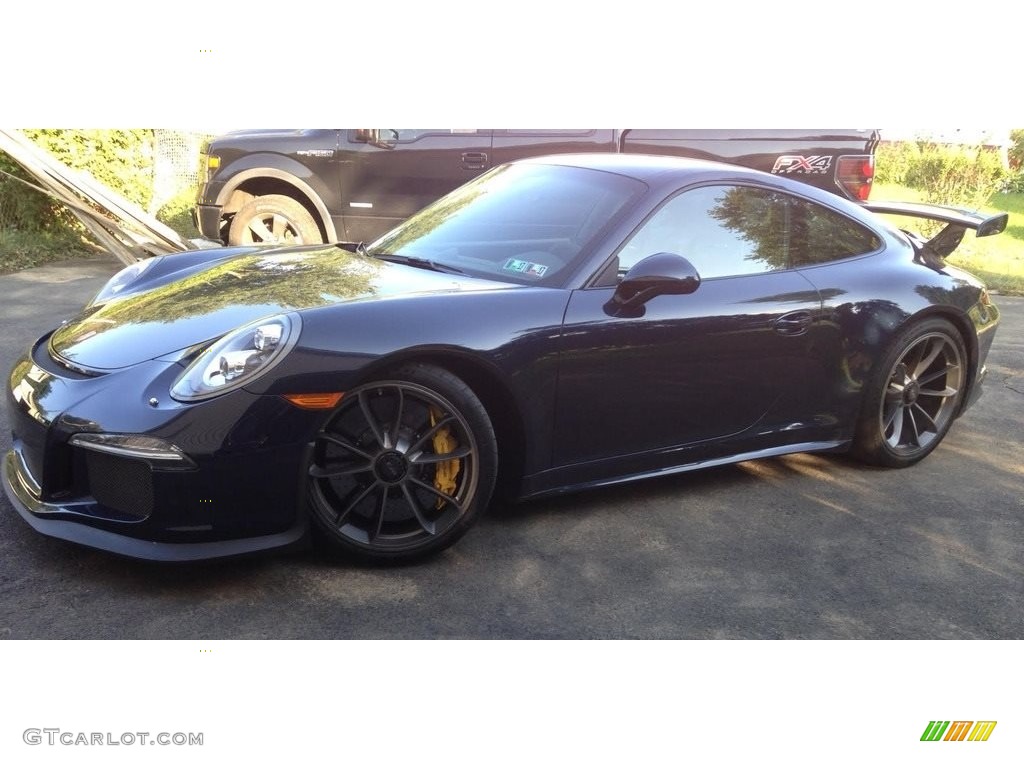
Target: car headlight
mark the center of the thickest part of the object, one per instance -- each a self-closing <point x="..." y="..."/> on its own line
<point x="237" y="358"/>
<point x="122" y="279"/>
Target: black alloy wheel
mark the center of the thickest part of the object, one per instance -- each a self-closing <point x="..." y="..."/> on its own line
<point x="914" y="395"/>
<point x="403" y="467"/>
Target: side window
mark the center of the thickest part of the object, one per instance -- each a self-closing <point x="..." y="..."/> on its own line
<point x="548" y="132"/>
<point x="820" y="235"/>
<point x="735" y="230"/>
<point x="722" y="230"/>
<point x="406" y="135"/>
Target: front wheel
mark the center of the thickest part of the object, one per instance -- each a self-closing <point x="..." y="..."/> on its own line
<point x="913" y="395"/>
<point x="273" y="220"/>
<point x="404" y="466"/>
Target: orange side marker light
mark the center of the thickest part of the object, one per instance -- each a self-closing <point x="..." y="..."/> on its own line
<point x="315" y="401"/>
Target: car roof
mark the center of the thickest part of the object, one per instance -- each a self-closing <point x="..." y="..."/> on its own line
<point x="648" y="168"/>
<point x="661" y="172"/>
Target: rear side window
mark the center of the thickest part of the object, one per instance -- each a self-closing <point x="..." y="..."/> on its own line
<point x="739" y="230"/>
<point x="819" y="235"/>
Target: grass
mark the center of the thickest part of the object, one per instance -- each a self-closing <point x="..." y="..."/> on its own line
<point x="21" y="250"/>
<point x="998" y="260"/>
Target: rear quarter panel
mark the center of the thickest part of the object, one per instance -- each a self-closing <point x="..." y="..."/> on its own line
<point x="868" y="301"/>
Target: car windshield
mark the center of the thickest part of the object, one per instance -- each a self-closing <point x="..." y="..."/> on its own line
<point x="524" y="223"/>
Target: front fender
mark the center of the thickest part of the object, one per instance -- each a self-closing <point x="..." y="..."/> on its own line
<point x="279" y="168"/>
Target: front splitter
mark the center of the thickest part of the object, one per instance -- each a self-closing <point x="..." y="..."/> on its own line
<point x="21" y="490"/>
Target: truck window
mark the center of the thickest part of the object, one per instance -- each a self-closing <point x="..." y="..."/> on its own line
<point x="546" y="132"/>
<point x="406" y="135"/>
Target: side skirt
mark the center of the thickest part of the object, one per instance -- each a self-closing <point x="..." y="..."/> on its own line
<point x="766" y="453"/>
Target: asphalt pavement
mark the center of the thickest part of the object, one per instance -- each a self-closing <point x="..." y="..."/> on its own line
<point x="804" y="546"/>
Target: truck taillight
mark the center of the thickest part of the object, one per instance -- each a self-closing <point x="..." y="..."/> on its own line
<point x="854" y="173"/>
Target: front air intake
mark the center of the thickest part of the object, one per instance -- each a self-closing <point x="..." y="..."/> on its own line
<point x="124" y="486"/>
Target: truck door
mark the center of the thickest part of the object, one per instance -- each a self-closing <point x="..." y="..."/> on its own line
<point x="387" y="178"/>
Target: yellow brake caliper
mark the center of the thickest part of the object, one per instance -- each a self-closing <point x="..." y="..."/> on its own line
<point x="445" y="472"/>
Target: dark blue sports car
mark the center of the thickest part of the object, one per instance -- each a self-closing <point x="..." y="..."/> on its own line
<point x="556" y="324"/>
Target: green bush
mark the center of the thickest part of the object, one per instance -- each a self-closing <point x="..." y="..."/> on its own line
<point x="1016" y="151"/>
<point x="33" y="224"/>
<point x="23" y="209"/>
<point x="120" y="159"/>
<point x="956" y="175"/>
<point x="893" y="160"/>
<point x="1015" y="181"/>
<point x="177" y="213"/>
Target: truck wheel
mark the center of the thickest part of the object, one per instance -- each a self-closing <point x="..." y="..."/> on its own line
<point x="273" y="220"/>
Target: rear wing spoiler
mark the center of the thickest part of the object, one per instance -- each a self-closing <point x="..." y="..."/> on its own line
<point x="957" y="221"/>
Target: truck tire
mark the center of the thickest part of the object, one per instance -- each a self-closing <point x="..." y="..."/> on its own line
<point x="273" y="220"/>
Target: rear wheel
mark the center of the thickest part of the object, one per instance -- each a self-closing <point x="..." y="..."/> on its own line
<point x="913" y="395"/>
<point x="404" y="466"/>
<point x="273" y="220"/>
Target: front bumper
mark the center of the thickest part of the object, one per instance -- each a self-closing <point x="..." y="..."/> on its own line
<point x="23" y="492"/>
<point x="241" y="491"/>
<point x="207" y="221"/>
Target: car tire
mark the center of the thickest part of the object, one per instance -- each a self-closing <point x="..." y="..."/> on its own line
<point x="913" y="395"/>
<point x="376" y="490"/>
<point x="273" y="220"/>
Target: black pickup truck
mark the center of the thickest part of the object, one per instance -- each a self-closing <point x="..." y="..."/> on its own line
<point x="323" y="185"/>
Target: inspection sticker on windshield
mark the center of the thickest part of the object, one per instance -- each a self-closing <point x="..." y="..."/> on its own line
<point x="525" y="267"/>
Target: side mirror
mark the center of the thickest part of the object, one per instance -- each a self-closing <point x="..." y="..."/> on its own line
<point x="384" y="138"/>
<point x="657" y="275"/>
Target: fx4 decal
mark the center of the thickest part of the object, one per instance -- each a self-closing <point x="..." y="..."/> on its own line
<point x="802" y="165"/>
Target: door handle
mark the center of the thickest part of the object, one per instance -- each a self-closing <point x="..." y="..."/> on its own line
<point x="793" y="323"/>
<point x="474" y="161"/>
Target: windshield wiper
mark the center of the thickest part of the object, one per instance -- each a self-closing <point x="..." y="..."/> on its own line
<point x="359" y="248"/>
<point x="414" y="261"/>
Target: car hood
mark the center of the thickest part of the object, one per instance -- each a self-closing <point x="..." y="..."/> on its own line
<point x="212" y="301"/>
